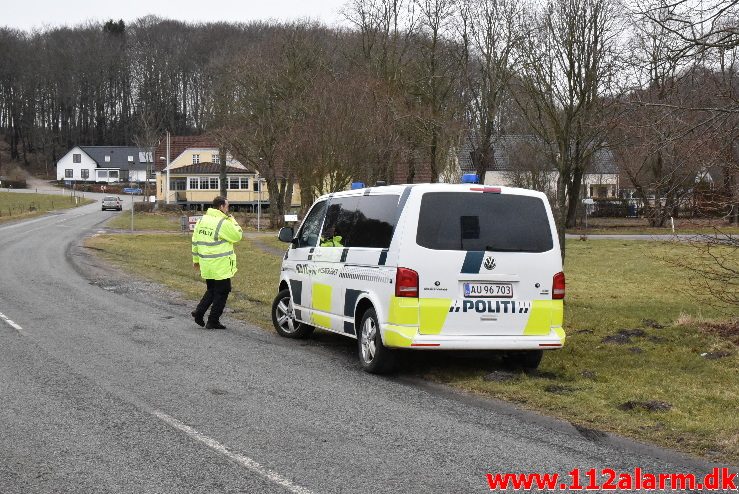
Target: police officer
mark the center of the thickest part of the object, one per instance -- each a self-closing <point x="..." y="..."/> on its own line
<point x="214" y="257"/>
<point x="332" y="238"/>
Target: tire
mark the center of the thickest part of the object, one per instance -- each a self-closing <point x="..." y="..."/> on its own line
<point x="374" y="357"/>
<point x="523" y="359"/>
<point x="283" y="318"/>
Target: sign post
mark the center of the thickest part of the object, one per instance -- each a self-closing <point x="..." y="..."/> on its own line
<point x="589" y="203"/>
<point x="131" y="191"/>
<point x="192" y="221"/>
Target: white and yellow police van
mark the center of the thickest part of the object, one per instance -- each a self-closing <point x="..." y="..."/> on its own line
<point x="431" y="266"/>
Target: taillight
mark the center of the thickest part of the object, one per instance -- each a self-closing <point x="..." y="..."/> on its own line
<point x="558" y="286"/>
<point x="406" y="283"/>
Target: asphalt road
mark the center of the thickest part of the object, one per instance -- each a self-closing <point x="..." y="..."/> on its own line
<point x="109" y="387"/>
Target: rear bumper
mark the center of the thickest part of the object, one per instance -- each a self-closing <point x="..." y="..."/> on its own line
<point x="553" y="341"/>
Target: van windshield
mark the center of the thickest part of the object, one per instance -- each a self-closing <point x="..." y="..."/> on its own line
<point x="483" y="222"/>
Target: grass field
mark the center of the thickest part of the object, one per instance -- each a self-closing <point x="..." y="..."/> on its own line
<point x="16" y="206"/>
<point x="146" y="221"/>
<point x="633" y="362"/>
<point x="640" y="226"/>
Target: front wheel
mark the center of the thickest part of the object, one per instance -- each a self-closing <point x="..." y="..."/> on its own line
<point x="375" y="357"/>
<point x="283" y="317"/>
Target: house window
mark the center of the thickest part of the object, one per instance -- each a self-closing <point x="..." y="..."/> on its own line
<point x="113" y="174"/>
<point x="68" y="173"/>
<point x="77" y="158"/>
<point x="204" y="183"/>
<point x="238" y="183"/>
<point x="177" y="184"/>
<point x="130" y="159"/>
<point x="195" y="159"/>
<point x="255" y="185"/>
<point x="107" y="158"/>
<point x="85" y="174"/>
<point x="216" y="158"/>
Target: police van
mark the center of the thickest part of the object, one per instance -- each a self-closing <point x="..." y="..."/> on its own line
<point x="426" y="267"/>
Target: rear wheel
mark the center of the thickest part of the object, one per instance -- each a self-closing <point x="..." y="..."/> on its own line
<point x="283" y="317"/>
<point x="375" y="357"/>
<point x="524" y="359"/>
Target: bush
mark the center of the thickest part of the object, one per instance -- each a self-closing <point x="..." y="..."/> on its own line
<point x="610" y="208"/>
<point x="169" y="208"/>
<point x="14" y="184"/>
<point x="143" y="207"/>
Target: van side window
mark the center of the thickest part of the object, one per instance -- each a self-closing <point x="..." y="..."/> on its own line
<point x="341" y="220"/>
<point x="309" y="232"/>
<point x="376" y="218"/>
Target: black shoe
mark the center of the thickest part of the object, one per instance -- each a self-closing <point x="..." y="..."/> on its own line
<point x="214" y="325"/>
<point x="198" y="319"/>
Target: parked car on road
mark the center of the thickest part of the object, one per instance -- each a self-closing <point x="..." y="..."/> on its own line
<point x="426" y="267"/>
<point x="112" y="202"/>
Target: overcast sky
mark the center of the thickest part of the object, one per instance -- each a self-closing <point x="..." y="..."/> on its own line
<point x="28" y="14"/>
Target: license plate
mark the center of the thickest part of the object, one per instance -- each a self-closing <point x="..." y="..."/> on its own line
<point x="489" y="290"/>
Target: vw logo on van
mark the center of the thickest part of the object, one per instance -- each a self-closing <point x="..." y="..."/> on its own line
<point x="489" y="263"/>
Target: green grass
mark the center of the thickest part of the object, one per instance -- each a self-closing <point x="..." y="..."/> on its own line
<point x="146" y="221"/>
<point x="612" y="286"/>
<point x="640" y="226"/>
<point x="723" y="230"/>
<point x="17" y="205"/>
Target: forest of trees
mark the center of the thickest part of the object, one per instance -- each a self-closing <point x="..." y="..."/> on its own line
<point x="394" y="95"/>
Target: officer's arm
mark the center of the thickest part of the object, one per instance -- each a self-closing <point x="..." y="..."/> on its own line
<point x="231" y="231"/>
<point x="195" y="252"/>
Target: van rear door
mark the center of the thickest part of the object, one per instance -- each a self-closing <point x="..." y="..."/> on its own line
<point x="486" y="261"/>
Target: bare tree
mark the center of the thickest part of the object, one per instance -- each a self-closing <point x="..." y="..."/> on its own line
<point x="565" y="76"/>
<point x="491" y="33"/>
<point x="435" y="85"/>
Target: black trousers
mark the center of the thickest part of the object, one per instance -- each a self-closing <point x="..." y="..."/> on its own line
<point x="215" y="297"/>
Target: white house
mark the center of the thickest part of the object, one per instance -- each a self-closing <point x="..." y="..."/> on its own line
<point x="105" y="164"/>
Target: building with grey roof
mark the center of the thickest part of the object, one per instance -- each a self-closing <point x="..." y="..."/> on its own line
<point x="105" y="164"/>
<point x="522" y="161"/>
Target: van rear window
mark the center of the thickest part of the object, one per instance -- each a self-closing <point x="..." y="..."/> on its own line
<point x="483" y="222"/>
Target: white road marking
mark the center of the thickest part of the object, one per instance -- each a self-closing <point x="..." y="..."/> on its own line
<point x="242" y="460"/>
<point x="10" y="323"/>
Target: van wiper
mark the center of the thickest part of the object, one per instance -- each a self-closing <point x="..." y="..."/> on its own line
<point x="499" y="249"/>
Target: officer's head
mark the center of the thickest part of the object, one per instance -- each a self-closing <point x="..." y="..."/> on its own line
<point x="220" y="203"/>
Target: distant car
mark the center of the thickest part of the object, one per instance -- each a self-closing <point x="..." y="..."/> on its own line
<point x="112" y="202"/>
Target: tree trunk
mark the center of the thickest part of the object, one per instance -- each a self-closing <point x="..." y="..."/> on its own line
<point x="574" y="197"/>
<point x="222" y="171"/>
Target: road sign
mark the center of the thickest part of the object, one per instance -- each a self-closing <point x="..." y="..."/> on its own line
<point x="191" y="222"/>
<point x="129" y="190"/>
<point x="291" y="218"/>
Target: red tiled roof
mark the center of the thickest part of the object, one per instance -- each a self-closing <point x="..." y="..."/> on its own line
<point x="178" y="145"/>
<point x="207" y="168"/>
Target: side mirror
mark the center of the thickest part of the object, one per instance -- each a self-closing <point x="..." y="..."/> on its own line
<point x="286" y="234"/>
